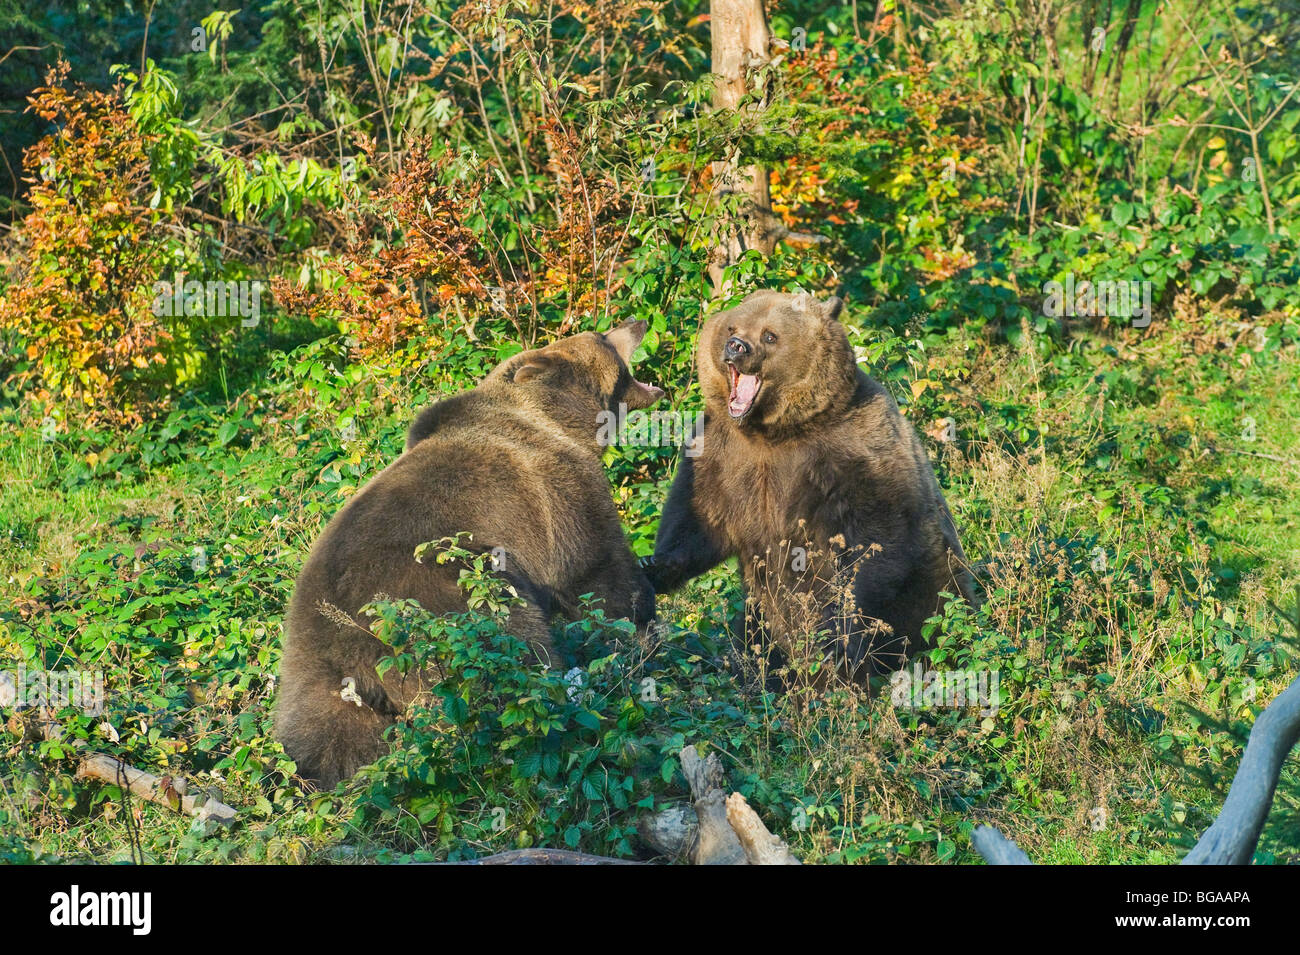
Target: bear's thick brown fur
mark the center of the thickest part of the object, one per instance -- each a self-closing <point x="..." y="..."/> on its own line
<point x="514" y="462"/>
<point x="808" y="473"/>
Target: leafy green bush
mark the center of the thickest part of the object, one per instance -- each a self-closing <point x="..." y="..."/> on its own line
<point x="507" y="753"/>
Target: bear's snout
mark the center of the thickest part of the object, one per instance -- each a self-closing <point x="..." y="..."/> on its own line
<point x="736" y="348"/>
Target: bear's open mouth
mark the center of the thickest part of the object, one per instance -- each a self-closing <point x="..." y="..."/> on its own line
<point x="744" y="390"/>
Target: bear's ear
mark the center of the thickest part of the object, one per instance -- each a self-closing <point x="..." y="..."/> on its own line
<point x="625" y="338"/>
<point x="832" y="307"/>
<point x="537" y="366"/>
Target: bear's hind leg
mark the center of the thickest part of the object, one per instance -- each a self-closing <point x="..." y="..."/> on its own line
<point x="327" y="736"/>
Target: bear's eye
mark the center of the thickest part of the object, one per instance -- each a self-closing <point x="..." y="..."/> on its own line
<point x="769" y="338"/>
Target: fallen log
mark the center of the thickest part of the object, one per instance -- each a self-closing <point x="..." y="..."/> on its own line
<point x="209" y="812"/>
<point x="544" y="857"/>
<point x="672" y="833"/>
<point x="760" y="846"/>
<point x="716" y="842"/>
<point x="716" y="829"/>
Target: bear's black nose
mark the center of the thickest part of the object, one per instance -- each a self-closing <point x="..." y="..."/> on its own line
<point x="735" y="348"/>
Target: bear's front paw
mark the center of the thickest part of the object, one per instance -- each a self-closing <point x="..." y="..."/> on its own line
<point x="654" y="572"/>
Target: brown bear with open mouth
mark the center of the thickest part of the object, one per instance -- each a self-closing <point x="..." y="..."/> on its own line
<point x="807" y="472"/>
<point x="516" y="463"/>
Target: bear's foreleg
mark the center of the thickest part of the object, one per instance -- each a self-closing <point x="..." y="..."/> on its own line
<point x="684" y="546"/>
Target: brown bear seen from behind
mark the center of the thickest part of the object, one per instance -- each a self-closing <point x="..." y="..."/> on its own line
<point x="806" y="472"/>
<point x="515" y="463"/>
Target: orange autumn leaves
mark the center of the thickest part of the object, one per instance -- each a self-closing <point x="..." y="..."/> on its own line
<point x="412" y="253"/>
<point x="920" y="168"/>
<point x="79" y="291"/>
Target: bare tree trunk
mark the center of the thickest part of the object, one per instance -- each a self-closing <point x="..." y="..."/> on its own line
<point x="739" y="35"/>
<point x="1234" y="835"/>
<point x="997" y="849"/>
<point x="1232" y="838"/>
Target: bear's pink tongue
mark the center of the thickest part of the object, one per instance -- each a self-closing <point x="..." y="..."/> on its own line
<point x="744" y="389"/>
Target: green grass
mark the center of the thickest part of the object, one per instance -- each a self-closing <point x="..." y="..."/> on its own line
<point x="1102" y="668"/>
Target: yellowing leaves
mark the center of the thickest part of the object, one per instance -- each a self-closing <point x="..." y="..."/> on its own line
<point x="87" y="257"/>
<point x="899" y="183"/>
